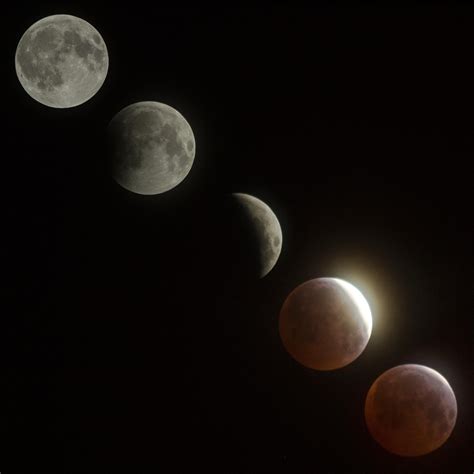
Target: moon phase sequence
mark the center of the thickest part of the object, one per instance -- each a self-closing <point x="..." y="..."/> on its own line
<point x="325" y="323"/>
<point x="410" y="410"/>
<point x="61" y="61"/>
<point x="152" y="147"/>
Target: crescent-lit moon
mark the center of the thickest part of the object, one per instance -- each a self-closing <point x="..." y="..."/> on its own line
<point x="360" y="302"/>
<point x="152" y="147"/>
<point x="261" y="228"/>
<point x="325" y="323"/>
<point x="61" y="61"/>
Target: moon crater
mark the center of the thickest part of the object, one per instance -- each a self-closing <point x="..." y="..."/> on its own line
<point x="152" y="147"/>
<point x="61" y="61"/>
<point x="255" y="236"/>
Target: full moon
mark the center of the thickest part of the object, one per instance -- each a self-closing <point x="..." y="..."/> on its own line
<point x="325" y="323"/>
<point x="152" y="147"/>
<point x="257" y="235"/>
<point x="61" y="61"/>
<point x="410" y="410"/>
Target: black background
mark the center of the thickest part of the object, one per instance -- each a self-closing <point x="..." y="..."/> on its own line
<point x="122" y="346"/>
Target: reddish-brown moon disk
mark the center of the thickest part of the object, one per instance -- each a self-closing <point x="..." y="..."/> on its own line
<point x="325" y="323"/>
<point x="410" y="410"/>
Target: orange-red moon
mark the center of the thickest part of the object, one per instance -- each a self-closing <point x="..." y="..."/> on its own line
<point x="410" y="410"/>
<point x="325" y="323"/>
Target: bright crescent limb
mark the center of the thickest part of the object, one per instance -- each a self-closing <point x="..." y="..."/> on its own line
<point x="360" y="301"/>
<point x="269" y="228"/>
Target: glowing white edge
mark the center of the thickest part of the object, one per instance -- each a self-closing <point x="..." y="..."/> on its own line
<point x="360" y="302"/>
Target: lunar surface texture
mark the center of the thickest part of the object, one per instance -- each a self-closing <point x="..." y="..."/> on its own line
<point x="256" y="233"/>
<point x="152" y="147"/>
<point x="410" y="410"/>
<point x="61" y="61"/>
<point x="325" y="323"/>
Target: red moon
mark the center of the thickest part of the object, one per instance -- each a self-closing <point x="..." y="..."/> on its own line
<point x="410" y="410"/>
<point x="325" y="323"/>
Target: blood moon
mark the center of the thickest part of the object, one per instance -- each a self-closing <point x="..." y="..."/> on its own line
<point x="325" y="323"/>
<point x="410" y="410"/>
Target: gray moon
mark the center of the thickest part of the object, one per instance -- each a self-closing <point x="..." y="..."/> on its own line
<point x="266" y="230"/>
<point x="61" y="61"/>
<point x="325" y="323"/>
<point x="410" y="410"/>
<point x="152" y="147"/>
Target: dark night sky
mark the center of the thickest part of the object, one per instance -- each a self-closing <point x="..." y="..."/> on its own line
<point x="122" y="345"/>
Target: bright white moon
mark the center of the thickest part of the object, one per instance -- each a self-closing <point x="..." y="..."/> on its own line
<point x="61" y="61"/>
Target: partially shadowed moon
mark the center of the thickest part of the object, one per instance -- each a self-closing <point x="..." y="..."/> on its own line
<point x="256" y="235"/>
<point x="410" y="410"/>
<point x="325" y="323"/>
<point x="61" y="61"/>
<point x="152" y="147"/>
